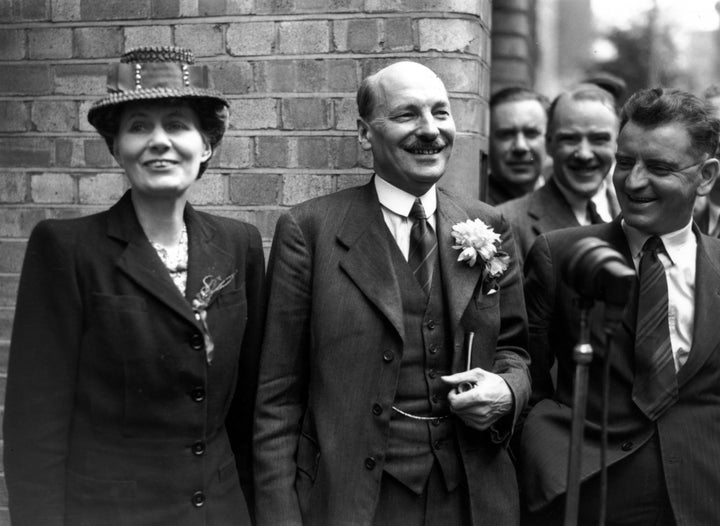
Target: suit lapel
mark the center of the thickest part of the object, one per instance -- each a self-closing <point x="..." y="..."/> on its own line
<point x="140" y="262"/>
<point x="459" y="279"/>
<point x="707" y="305"/>
<point x="550" y="209"/>
<point x="205" y="257"/>
<point x="368" y="261"/>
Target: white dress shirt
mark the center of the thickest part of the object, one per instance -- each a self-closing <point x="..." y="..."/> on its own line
<point x="679" y="262"/>
<point x="396" y="205"/>
<point x="601" y="199"/>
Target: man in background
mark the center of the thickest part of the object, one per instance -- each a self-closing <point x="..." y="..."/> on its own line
<point x="707" y="208"/>
<point x="518" y="123"/>
<point x="581" y="139"/>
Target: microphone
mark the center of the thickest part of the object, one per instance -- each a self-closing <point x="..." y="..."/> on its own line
<point x="596" y="271"/>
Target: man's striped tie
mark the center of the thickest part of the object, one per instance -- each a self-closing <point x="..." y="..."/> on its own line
<point x="423" y="245"/>
<point x="655" y="387"/>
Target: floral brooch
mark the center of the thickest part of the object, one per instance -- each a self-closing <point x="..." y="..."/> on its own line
<point x="476" y="240"/>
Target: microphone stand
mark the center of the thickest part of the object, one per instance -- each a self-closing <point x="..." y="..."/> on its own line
<point x="582" y="355"/>
<point x="613" y="320"/>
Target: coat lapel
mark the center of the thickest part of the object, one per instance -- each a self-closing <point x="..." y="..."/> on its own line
<point x="368" y="259"/>
<point x="707" y="305"/>
<point x="550" y="209"/>
<point x="205" y="256"/>
<point x="140" y="262"/>
<point x="459" y="279"/>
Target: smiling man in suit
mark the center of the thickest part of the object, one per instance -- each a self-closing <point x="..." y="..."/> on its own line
<point x="664" y="369"/>
<point x="581" y="140"/>
<point x="360" y="419"/>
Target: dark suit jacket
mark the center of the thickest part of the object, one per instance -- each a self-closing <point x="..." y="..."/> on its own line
<point x="689" y="432"/>
<point x="333" y="349"/>
<point x="500" y="191"/>
<point x="702" y="219"/>
<point x="113" y="416"/>
<point x="538" y="212"/>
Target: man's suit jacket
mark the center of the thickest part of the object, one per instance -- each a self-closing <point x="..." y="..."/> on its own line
<point x="112" y="414"/>
<point x="500" y="191"/>
<point x="538" y="212"/>
<point x="689" y="432"/>
<point x="333" y="351"/>
<point x="702" y="219"/>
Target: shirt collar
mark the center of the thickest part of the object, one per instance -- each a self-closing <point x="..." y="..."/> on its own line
<point x="578" y="203"/>
<point x="399" y="201"/>
<point x="675" y="242"/>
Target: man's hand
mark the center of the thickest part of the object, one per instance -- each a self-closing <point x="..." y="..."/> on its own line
<point x="479" y="407"/>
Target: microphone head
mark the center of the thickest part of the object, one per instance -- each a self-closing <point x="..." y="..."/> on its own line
<point x="595" y="270"/>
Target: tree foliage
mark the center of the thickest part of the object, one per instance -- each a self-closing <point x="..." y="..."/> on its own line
<point x="646" y="55"/>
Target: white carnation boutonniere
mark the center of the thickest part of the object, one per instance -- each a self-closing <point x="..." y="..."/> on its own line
<point x="476" y="240"/>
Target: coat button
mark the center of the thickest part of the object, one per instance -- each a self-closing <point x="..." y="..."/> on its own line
<point x="197" y="342"/>
<point x="198" y="394"/>
<point x="198" y="448"/>
<point x="198" y="499"/>
<point x="431" y="324"/>
<point x="627" y="446"/>
<point x="377" y="409"/>
<point x="437" y="445"/>
<point x="370" y="463"/>
<point x="388" y="356"/>
<point x="433" y="349"/>
<point x="432" y="373"/>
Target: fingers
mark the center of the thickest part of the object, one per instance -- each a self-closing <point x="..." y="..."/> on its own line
<point x="471" y="376"/>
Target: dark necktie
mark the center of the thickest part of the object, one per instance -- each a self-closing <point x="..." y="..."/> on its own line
<point x="655" y="387"/>
<point x="423" y="245"/>
<point x="592" y="213"/>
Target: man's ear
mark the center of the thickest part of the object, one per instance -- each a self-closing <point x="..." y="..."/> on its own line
<point x="709" y="175"/>
<point x="364" y="134"/>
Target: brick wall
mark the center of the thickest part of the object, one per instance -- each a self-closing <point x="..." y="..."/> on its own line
<point x="289" y="67"/>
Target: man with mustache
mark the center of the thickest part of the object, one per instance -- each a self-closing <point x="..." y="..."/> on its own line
<point x="518" y="123"/>
<point x="581" y="139"/>
<point x="373" y="327"/>
<point x="663" y="429"/>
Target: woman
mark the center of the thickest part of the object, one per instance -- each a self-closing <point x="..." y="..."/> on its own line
<point x="134" y="353"/>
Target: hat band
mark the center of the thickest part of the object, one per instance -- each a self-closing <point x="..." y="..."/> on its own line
<point x="132" y="77"/>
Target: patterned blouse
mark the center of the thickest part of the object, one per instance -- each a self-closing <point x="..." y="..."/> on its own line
<point x="176" y="260"/>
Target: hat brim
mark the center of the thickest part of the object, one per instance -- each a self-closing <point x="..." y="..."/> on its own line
<point x="102" y="106"/>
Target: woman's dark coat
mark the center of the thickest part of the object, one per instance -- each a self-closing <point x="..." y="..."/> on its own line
<point x="113" y="416"/>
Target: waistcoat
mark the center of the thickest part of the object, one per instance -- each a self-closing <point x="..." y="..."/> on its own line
<point x="414" y="445"/>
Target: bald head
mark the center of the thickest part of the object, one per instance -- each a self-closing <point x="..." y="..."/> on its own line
<point x="407" y="124"/>
<point x="373" y="87"/>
